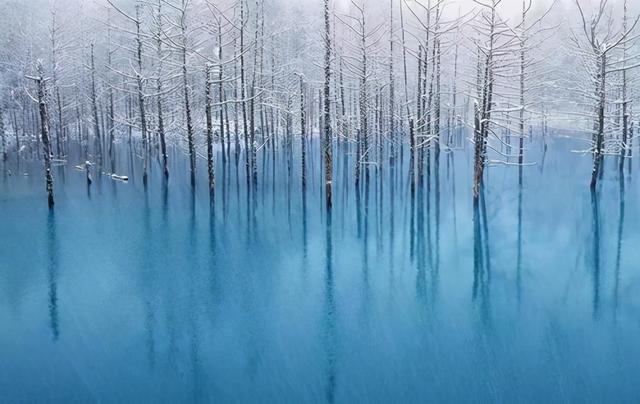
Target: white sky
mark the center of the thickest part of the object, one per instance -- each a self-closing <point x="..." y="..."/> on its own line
<point x="508" y="8"/>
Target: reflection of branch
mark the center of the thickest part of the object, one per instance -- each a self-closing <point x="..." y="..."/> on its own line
<point x="509" y="163"/>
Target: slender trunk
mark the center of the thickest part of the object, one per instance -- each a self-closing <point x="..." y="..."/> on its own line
<point x="328" y="163"/>
<point x="16" y="133"/>
<point x="236" y="151"/>
<point x="392" y="129"/>
<point x="143" y="119"/>
<point x="364" y="117"/>
<point x="522" y="91"/>
<point x="625" y="106"/>
<point x="483" y="116"/>
<point x="163" y="143"/>
<point x="404" y="61"/>
<point x="94" y="106"/>
<point x="187" y="102"/>
<point x="221" y="93"/>
<point x="242" y="95"/>
<point x="3" y="135"/>
<point x="210" y="162"/>
<point x="44" y="133"/>
<point x="303" y="135"/>
<point x="599" y="135"/>
<point x="111" y="107"/>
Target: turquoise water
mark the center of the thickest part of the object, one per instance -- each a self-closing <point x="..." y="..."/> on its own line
<point x="127" y="295"/>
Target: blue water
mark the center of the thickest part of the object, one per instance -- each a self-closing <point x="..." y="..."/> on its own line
<point x="127" y="295"/>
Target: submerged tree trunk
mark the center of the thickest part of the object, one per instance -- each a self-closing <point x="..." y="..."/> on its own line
<point x="163" y="143"/>
<point x="392" y="129"/>
<point x="187" y="104"/>
<point x="221" y="94"/>
<point x="245" y="124"/>
<point x="599" y="134"/>
<point x="143" y="118"/>
<point x="625" y="104"/>
<point x="478" y="158"/>
<point x="328" y="163"/>
<point x="111" y="106"/>
<point x="44" y="132"/>
<point x="522" y="91"/>
<point x="482" y="112"/>
<point x="303" y="136"/>
<point x="210" y="162"/>
<point x="94" y="107"/>
<point x="3" y="136"/>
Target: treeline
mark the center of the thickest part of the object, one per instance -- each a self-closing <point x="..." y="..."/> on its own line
<point x="392" y="82"/>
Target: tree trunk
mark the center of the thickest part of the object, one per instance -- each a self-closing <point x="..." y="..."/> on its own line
<point x="599" y="135"/>
<point x="94" y="106"/>
<point x="3" y="135"/>
<point x="163" y="143"/>
<point x="187" y="103"/>
<point x="303" y="136"/>
<point x="143" y="119"/>
<point x="210" y="162"/>
<point x="328" y="163"/>
<point x="44" y="133"/>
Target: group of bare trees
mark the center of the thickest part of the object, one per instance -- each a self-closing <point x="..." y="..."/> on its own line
<point x="605" y="55"/>
<point x="227" y="77"/>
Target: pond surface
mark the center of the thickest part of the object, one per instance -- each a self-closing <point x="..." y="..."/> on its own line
<point x="127" y="295"/>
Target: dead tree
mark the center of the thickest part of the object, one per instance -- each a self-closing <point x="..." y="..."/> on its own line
<point x="138" y="73"/>
<point x="392" y="95"/>
<point x="44" y="129"/>
<point x="159" y="90"/>
<point x="3" y="135"/>
<point x="54" y="33"/>
<point x="111" y="105"/>
<point x="523" y="44"/>
<point x="482" y="110"/>
<point x="208" y="108"/>
<point x="303" y="135"/>
<point x="328" y="162"/>
<point x="245" y="123"/>
<point x="94" y="109"/>
<point x="221" y="97"/>
<point x="598" y="43"/>
<point x="185" y="84"/>
<point x="141" y="97"/>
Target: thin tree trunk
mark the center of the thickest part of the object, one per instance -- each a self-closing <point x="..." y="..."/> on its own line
<point x="221" y="93"/>
<point x="303" y="135"/>
<point x="328" y="163"/>
<point x="210" y="162"/>
<point x="44" y="133"/>
<point x="187" y="103"/>
<point x="94" y="106"/>
<point x="599" y="140"/>
<point x="143" y="119"/>
<point x="163" y="143"/>
<point x="3" y="135"/>
<point x="242" y="95"/>
<point x="392" y="129"/>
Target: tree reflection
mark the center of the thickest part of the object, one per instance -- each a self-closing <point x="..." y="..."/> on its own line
<point x="52" y="273"/>
<point x="481" y="258"/>
<point x="595" y="250"/>
<point x="621" y="211"/>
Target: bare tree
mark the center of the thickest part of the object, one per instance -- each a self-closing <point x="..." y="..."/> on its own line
<point x="597" y="44"/>
<point x="328" y="143"/>
<point x="44" y="129"/>
<point x="208" y="108"/>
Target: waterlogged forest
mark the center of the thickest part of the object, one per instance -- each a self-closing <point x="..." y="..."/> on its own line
<point x="319" y="200"/>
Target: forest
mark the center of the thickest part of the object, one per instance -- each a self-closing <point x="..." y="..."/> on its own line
<point x="229" y="80"/>
<point x="238" y="182"/>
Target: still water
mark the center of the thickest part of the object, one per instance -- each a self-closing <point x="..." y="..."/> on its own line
<point x="127" y="295"/>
